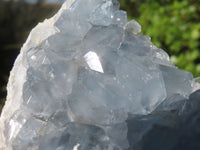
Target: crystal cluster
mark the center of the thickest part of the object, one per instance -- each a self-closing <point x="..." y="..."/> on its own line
<point x="86" y="79"/>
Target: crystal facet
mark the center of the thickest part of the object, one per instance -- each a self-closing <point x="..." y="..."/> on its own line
<point x="86" y="79"/>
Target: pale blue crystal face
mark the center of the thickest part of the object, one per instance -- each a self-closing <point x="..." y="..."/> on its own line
<point x="103" y="14"/>
<point x="82" y="84"/>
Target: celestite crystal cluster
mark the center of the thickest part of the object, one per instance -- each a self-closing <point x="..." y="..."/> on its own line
<point x="86" y="79"/>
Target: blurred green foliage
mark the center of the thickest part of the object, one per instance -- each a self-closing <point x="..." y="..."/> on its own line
<point x="173" y="25"/>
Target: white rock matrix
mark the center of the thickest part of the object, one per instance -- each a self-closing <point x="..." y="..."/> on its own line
<point x="86" y="79"/>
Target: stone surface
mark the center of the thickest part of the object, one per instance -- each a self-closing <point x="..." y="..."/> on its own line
<point x="86" y="79"/>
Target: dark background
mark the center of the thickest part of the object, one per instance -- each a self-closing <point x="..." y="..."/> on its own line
<point x="173" y="25"/>
<point x="16" y="21"/>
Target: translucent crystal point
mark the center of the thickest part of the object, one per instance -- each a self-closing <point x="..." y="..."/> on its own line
<point x="86" y="79"/>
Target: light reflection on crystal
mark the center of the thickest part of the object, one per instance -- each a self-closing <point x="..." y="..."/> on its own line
<point x="93" y="61"/>
<point x="86" y="79"/>
<point x="14" y="129"/>
<point x="76" y="146"/>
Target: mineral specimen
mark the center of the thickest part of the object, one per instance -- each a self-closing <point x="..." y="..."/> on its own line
<point x="86" y="79"/>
